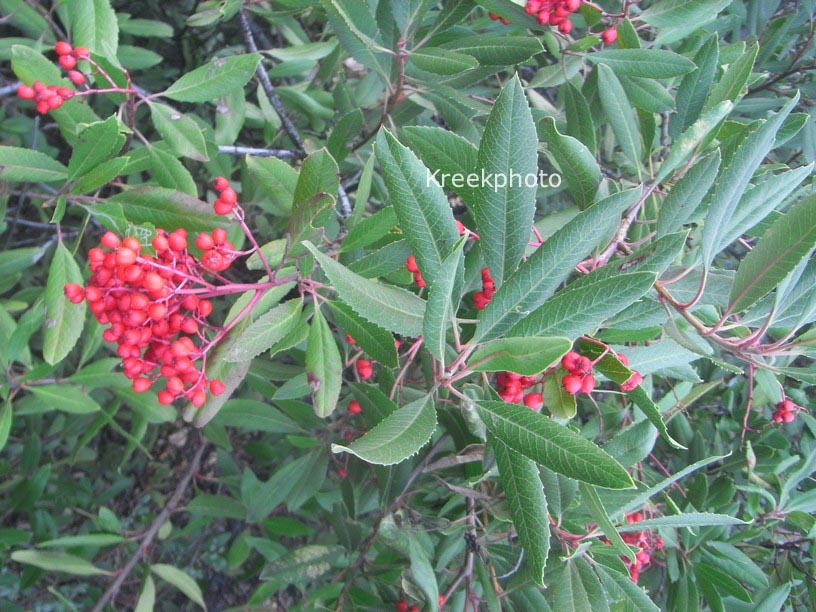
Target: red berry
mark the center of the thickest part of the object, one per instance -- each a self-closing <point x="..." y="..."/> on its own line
<point x="77" y="78"/>
<point x="569" y="360"/>
<point x="418" y="280"/>
<point x="534" y="401"/>
<point x="609" y="35"/>
<point x="221" y="183"/>
<point x="354" y="407"/>
<point x="67" y="62"/>
<point x="81" y="53"/>
<point x="410" y="265"/>
<point x="132" y="243"/>
<point x="587" y="383"/>
<point x="565" y="27"/>
<point x="177" y="241"/>
<point x="219" y="235"/>
<point x="364" y="368"/>
<point x="140" y="385"/>
<point x="160" y="244"/>
<point x="229" y="196"/>
<point x="204" y="242"/>
<point x="198" y="398"/>
<point x="631" y="384"/>
<point x="125" y="257"/>
<point x="165" y="398"/>
<point x="583" y="365"/>
<point x="342" y="473"/>
<point x="63" y="48"/>
<point x="572" y="5"/>
<point x="402" y="606"/>
<point x="110" y="241"/>
<point x="349" y="339"/>
<point x="572" y="383"/>
<point x="25" y="92"/>
<point x="153" y="282"/>
<point x="222" y="208"/>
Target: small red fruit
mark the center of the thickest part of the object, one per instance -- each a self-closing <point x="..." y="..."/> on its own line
<point x="77" y="78"/>
<point x="342" y="473"/>
<point x="402" y="606"/>
<point x="222" y="208"/>
<point x="217" y="387"/>
<point x="572" y="383"/>
<point x="63" y="48"/>
<point x="411" y="265"/>
<point x="229" y="196"/>
<point x="140" y="385"/>
<point x="221" y="183"/>
<point x="533" y="401"/>
<point x="25" y="92"/>
<point x="204" y="242"/>
<point x="587" y="383"/>
<point x="364" y="368"/>
<point x="354" y="407"/>
<point x="609" y="35"/>
<point x="67" y="62"/>
<point x="110" y="241"/>
<point x="81" y="53"/>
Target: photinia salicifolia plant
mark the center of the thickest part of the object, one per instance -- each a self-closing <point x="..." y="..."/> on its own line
<point x="407" y="305"/>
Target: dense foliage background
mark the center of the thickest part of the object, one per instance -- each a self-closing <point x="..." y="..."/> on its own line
<point x="681" y="232"/>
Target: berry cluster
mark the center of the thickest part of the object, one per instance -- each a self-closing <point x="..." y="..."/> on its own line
<point x="68" y="57"/>
<point x="411" y="266"/>
<point x="154" y="312"/>
<point x="51" y="97"/>
<point x="45" y="98"/>
<point x="579" y="378"/>
<point x="645" y="541"/>
<point x="227" y="198"/>
<point x="634" y="380"/>
<point x="512" y="389"/>
<point x="482" y="298"/>
<point x="785" y="411"/>
<point x="553" y="12"/>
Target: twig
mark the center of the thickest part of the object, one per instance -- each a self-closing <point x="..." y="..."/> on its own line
<point x="150" y="534"/>
<point x="279" y="153"/>
<point x="269" y="89"/>
<point x="9" y="89"/>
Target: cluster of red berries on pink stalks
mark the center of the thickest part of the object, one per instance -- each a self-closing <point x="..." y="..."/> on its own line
<point x="51" y="97"/>
<point x="556" y="13"/>
<point x="579" y="378"/>
<point x="646" y="541"/>
<point x="413" y="268"/>
<point x="785" y="411"/>
<point x="512" y="387"/>
<point x="157" y="303"/>
<point x="482" y="298"/>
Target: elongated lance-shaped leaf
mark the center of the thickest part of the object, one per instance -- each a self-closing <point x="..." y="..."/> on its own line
<point x="397" y="437"/>
<point x="265" y="331"/>
<point x="63" y="321"/>
<point x="641" y="498"/>
<point x="218" y="78"/>
<point x="687" y="194"/>
<point x="422" y="209"/>
<point x="620" y="588"/>
<point x="734" y="180"/>
<point x="621" y="115"/>
<point x="689" y="519"/>
<point x="526" y="356"/>
<point x="539" y="276"/>
<point x="732" y="83"/>
<point x="576" y="162"/>
<point x="508" y="153"/>
<point x="593" y="501"/>
<point x="582" y="309"/>
<point x="390" y="307"/>
<point x="783" y="247"/>
<point x="521" y="483"/>
<point x="552" y="445"/>
<point x="324" y="366"/>
<point x="441" y="306"/>
<point x="611" y="367"/>
<point x="693" y="89"/>
<point x="648" y="63"/>
<point x="373" y="339"/>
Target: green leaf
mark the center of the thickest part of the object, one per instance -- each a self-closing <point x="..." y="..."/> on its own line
<point x="676" y="19"/>
<point x="54" y="561"/>
<point x="179" y="579"/>
<point x="87" y="539"/>
<point x="690" y="140"/>
<point x="159" y="207"/>
<point x="508" y="151"/>
<point x="214" y="80"/>
<point x="783" y="247"/>
<point x="527" y="356"/>
<point x="316" y="187"/>
<point x="620" y="588"/>
<point x="561" y="404"/>
<point x="68" y="398"/>
<point x="520" y="481"/>
<point x="97" y="143"/>
<point x="647" y="94"/>
<point x="596" y="508"/>
<point x="398" y="436"/>
<point x="621" y="115"/>
<point x="6" y="420"/>
<point x="18" y="165"/>
<point x="733" y="561"/>
<point x="539" y="276"/>
<point x="734" y="180"/>
<point x="94" y="25"/>
<point x="554" y="446"/>
<point x="147" y="598"/>
<point x="689" y="519"/>
<point x="63" y="320"/>
<point x="389" y="307"/>
<point x="648" y="63"/>
<point x="442" y="61"/>
<point x="103" y="174"/>
<point x="441" y="309"/>
<point x="169" y="172"/>
<point x="420" y="204"/>
<point x="497" y="50"/>
<point x="16" y="260"/>
<point x="255" y="416"/>
<point x="444" y="152"/>
<point x="695" y="86"/>
<point x="582" y="308"/>
<point x="580" y="123"/>
<point x="687" y="194"/>
<point x="356" y="28"/>
<point x="301" y="565"/>
<point x="265" y="331"/>
<point x="216" y="506"/>
<point x="573" y="590"/>
<point x="732" y="83"/>
<point x="373" y="339"/>
<point x="774" y="600"/>
<point x="642" y="497"/>
<point x="324" y="367"/>
<point x="181" y="133"/>
<point x="370" y="230"/>
<point x="575" y="161"/>
<point x="723" y="582"/>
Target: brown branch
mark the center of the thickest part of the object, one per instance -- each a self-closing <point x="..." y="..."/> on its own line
<point x="153" y="530"/>
<point x="269" y="88"/>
